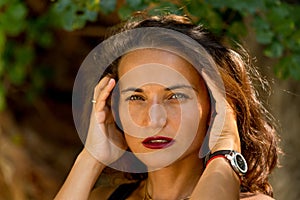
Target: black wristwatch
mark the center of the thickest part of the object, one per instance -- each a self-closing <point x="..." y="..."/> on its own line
<point x="236" y="160"/>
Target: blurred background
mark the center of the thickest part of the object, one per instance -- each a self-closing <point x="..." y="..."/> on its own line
<point x="42" y="44"/>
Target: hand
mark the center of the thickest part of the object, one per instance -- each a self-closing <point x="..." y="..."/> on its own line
<point x="229" y="138"/>
<point x="104" y="141"/>
<point x="218" y="176"/>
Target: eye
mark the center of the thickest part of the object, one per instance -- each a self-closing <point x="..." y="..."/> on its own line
<point x="179" y="96"/>
<point x="135" y="98"/>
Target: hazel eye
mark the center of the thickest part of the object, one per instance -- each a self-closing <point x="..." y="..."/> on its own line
<point x="135" y="98"/>
<point x="179" y="96"/>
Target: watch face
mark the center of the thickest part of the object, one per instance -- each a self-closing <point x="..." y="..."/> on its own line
<point x="241" y="163"/>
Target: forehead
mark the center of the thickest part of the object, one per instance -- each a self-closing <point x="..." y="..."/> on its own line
<point x="146" y="56"/>
<point x="157" y="65"/>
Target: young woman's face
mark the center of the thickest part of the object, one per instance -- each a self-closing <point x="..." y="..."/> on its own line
<point x="163" y="108"/>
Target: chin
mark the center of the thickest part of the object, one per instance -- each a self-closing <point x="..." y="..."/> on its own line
<point x="158" y="159"/>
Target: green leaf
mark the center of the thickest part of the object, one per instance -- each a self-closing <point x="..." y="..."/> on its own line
<point x="248" y="6"/>
<point x="68" y="18"/>
<point x="134" y="3"/>
<point x="295" y="67"/>
<point x="277" y="13"/>
<point x="2" y="42"/>
<point x="217" y="3"/>
<point x="17" y="71"/>
<point x="72" y="16"/>
<point x="61" y="5"/>
<point x="166" y="8"/>
<point x="264" y="36"/>
<point x="125" y="12"/>
<point x="284" y="28"/>
<point x="293" y="42"/>
<point x="151" y="1"/>
<point x="93" y="5"/>
<point x="282" y="68"/>
<point x="78" y="23"/>
<point x="196" y="8"/>
<point x="288" y="67"/>
<point x="2" y="97"/>
<point x="45" y="40"/>
<point x="17" y="74"/>
<point x="275" y="50"/>
<point x="107" y="6"/>
<point x="244" y="7"/>
<point x="19" y="11"/>
<point x="3" y="2"/>
<point x="90" y="15"/>
<point x="237" y="29"/>
<point x="295" y="13"/>
<point x="2" y="68"/>
<point x="12" y="20"/>
<point x="260" y="24"/>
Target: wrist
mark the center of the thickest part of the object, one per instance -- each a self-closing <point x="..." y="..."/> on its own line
<point x="86" y="157"/>
<point x="215" y="177"/>
<point x="82" y="177"/>
<point x="221" y="165"/>
<point x="233" y="158"/>
<point x="232" y="143"/>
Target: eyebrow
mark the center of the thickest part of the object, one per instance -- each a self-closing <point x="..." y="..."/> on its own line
<point x="174" y="87"/>
<point x="132" y="89"/>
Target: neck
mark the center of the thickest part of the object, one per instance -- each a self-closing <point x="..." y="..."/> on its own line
<point x="176" y="181"/>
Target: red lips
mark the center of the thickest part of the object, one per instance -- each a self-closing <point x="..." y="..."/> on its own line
<point x="158" y="142"/>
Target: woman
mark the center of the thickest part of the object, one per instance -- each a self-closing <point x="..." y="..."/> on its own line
<point x="167" y="108"/>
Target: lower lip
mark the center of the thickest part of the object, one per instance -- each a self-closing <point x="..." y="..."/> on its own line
<point x="158" y="145"/>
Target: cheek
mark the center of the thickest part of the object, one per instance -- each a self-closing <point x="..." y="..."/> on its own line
<point x="134" y="114"/>
<point x="174" y="116"/>
<point x="193" y="124"/>
<point x="138" y="112"/>
<point x="132" y="142"/>
<point x="130" y="117"/>
<point x="186" y="121"/>
<point x="204" y="110"/>
<point x="190" y="119"/>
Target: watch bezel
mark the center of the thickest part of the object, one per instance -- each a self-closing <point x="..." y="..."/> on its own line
<point x="233" y="157"/>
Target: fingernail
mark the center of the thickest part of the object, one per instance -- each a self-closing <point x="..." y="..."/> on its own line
<point x="111" y="80"/>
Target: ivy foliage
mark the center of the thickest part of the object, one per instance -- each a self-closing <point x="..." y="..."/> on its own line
<point x="276" y="25"/>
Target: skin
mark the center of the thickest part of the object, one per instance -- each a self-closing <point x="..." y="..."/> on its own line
<point x="157" y="110"/>
<point x="175" y="118"/>
<point x="168" y="181"/>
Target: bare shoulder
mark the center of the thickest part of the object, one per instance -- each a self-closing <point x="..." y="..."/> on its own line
<point x="255" y="196"/>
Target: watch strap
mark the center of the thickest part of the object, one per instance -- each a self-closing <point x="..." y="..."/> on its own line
<point x="212" y="158"/>
<point x="216" y="154"/>
<point x="236" y="160"/>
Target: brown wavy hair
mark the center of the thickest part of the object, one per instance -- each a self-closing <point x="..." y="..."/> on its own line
<point x="257" y="128"/>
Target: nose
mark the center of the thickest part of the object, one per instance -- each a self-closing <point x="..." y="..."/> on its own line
<point x="157" y="115"/>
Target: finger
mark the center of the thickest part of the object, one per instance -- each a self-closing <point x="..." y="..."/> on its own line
<point x="104" y="94"/>
<point x="103" y="82"/>
<point x="229" y="137"/>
